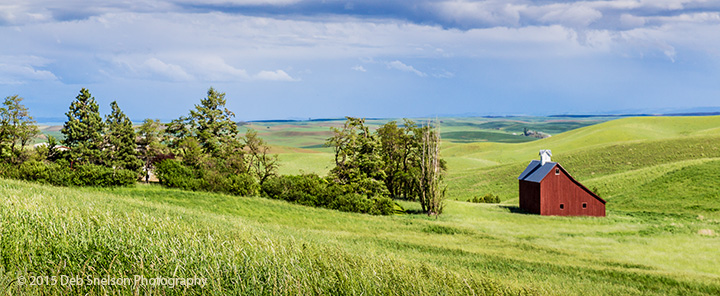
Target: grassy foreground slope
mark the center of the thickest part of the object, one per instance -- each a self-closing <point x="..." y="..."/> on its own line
<point x="246" y="245"/>
<point x="240" y="245"/>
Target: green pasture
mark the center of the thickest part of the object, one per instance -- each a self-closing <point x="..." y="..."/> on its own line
<point x="251" y="245"/>
<point x="659" y="176"/>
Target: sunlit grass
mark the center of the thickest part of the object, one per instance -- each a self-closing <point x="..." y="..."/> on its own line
<point x="259" y="246"/>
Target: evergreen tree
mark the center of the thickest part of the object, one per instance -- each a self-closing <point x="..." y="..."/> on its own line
<point x="17" y="129"/>
<point x="120" y="149"/>
<point x="83" y="130"/>
<point x="212" y="123"/>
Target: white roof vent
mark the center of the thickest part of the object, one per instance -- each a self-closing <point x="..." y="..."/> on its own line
<point x="545" y="156"/>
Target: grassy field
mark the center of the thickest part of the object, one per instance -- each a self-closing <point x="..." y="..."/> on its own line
<point x="251" y="245"/>
<point x="660" y="237"/>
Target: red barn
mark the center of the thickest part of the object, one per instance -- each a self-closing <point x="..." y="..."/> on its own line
<point x="546" y="188"/>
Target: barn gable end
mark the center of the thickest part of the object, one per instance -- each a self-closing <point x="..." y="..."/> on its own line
<point x="546" y="188"/>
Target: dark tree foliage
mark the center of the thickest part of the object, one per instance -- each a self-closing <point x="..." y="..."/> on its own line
<point x="398" y="161"/>
<point x="83" y="130"/>
<point x="357" y="154"/>
<point x="17" y="129"/>
<point x="120" y="148"/>
<point x="397" y="149"/>
<point x="212" y="123"/>
<point x="211" y="150"/>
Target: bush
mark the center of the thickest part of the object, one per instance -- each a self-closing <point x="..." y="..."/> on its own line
<point x="352" y="202"/>
<point x="96" y="175"/>
<point x="312" y="190"/>
<point x="488" y="198"/>
<point x="243" y="184"/>
<point x="172" y="173"/>
<point x="60" y="174"/>
<point x="309" y="189"/>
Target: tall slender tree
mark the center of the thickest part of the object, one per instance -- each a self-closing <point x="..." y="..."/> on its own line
<point x="150" y="143"/>
<point x="84" y="130"/>
<point x="429" y="179"/>
<point x="120" y="148"/>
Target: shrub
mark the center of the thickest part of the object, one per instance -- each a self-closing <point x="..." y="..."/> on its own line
<point x="309" y="189"/>
<point x="243" y="184"/>
<point x="383" y="205"/>
<point x="352" y="202"/>
<point x="312" y="190"/>
<point x="488" y="198"/>
<point x="61" y="175"/>
<point x="173" y="174"/>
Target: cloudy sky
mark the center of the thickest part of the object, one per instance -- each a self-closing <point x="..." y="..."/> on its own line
<point x="280" y="59"/>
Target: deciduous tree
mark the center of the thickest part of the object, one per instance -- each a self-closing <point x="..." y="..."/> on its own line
<point x="17" y="129"/>
<point x="431" y="194"/>
<point x="262" y="164"/>
<point x="150" y="145"/>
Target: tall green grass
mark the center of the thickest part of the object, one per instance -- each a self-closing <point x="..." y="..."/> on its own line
<point x="48" y="231"/>
<point x="246" y="245"/>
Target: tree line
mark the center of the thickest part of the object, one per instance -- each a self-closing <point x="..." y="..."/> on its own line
<point x="204" y="150"/>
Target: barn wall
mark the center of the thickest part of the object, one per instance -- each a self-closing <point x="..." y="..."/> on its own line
<point x="560" y="189"/>
<point x="530" y="196"/>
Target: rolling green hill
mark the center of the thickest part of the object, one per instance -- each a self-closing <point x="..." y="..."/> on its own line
<point x="659" y="176"/>
<point x="250" y="245"/>
<point x="590" y="152"/>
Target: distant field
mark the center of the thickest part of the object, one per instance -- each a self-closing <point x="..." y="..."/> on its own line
<point x="483" y="136"/>
<point x="312" y="135"/>
<point x="591" y="152"/>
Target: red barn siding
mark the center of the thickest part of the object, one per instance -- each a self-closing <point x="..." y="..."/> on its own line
<point x="545" y="197"/>
<point x="530" y="197"/>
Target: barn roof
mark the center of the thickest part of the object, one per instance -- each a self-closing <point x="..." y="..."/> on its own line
<point x="536" y="171"/>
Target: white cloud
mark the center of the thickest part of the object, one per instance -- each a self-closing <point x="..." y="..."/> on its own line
<point x="359" y="68"/>
<point x="444" y="74"/>
<point x="468" y="13"/>
<point x="571" y="15"/>
<point x="278" y="75"/>
<point x="398" y="65"/>
<point x="214" y="68"/>
<point x="22" y="69"/>
<point x="172" y="71"/>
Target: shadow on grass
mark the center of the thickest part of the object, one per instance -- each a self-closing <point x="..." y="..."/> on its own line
<point x="415" y="212"/>
<point x="516" y="210"/>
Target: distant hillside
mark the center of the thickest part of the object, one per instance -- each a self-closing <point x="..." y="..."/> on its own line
<point x="589" y="153"/>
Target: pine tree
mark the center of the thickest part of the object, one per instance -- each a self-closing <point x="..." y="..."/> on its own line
<point x="83" y="130"/>
<point x="212" y="123"/>
<point x="120" y="149"/>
